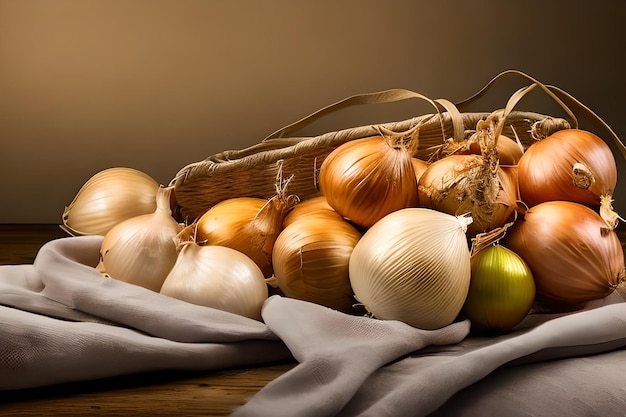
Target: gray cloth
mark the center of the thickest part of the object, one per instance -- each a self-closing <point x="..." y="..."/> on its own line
<point x="62" y="321"/>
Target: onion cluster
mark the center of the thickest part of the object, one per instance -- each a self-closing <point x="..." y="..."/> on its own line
<point x="483" y="229"/>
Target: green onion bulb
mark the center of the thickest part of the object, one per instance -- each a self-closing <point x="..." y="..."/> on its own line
<point x="502" y="290"/>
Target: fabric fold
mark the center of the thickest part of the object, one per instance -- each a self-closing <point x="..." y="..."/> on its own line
<point x="337" y="352"/>
<point x="62" y="321"/>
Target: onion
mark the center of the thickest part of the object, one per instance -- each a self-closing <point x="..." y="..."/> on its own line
<point x="108" y="198"/>
<point x="414" y="266"/>
<point x="142" y="250"/>
<point x="570" y="165"/>
<point x="419" y="166"/>
<point x="502" y="289"/>
<point x="509" y="150"/>
<point x="459" y="184"/>
<point x="217" y="277"/>
<point x="311" y="257"/>
<point x="573" y="256"/>
<point x="365" y="179"/>
<point x="249" y="225"/>
<point x="312" y="207"/>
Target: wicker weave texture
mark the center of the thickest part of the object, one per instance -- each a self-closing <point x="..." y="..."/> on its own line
<point x="253" y="171"/>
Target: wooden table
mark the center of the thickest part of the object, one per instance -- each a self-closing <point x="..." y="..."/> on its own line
<point x="151" y="394"/>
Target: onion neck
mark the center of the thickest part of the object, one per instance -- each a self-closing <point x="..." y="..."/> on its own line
<point x="608" y="214"/>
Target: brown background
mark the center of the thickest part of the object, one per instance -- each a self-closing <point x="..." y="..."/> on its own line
<point x="156" y="84"/>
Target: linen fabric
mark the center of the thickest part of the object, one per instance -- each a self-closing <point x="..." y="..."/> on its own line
<point x="62" y="321"/>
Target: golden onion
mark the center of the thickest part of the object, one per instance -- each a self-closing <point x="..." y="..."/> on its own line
<point x="570" y="165"/>
<point x="459" y="184"/>
<point x="573" y="256"/>
<point x="311" y="257"/>
<point x="249" y="225"/>
<point x="311" y="207"/>
<point x="365" y="179"/>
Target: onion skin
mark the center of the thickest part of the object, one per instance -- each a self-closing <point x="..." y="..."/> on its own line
<point x="419" y="166"/>
<point x="573" y="256"/>
<point x="108" y="198"/>
<point x="509" y="151"/>
<point x="546" y="169"/>
<point x="366" y="179"/>
<point x="413" y="266"/>
<point x="449" y="185"/>
<point x="142" y="250"/>
<point x="502" y="290"/>
<point x="217" y="277"/>
<point x="311" y="258"/>
<point x="312" y="207"/>
<point x="249" y="225"/>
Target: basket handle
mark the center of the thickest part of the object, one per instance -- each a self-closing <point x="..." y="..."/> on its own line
<point x="385" y="96"/>
<point x="560" y="96"/>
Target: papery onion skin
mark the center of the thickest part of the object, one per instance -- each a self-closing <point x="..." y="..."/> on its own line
<point x="249" y="225"/>
<point x="449" y="185"/>
<point x="311" y="258"/>
<point x="108" y="198"/>
<point x="419" y="166"/>
<point x="218" y="277"/>
<point x="414" y="266"/>
<point x="142" y="250"/>
<point x="365" y="179"/>
<point x="509" y="151"/>
<point x="546" y="168"/>
<point x="573" y="256"/>
<point x="312" y="207"/>
<point x="502" y="290"/>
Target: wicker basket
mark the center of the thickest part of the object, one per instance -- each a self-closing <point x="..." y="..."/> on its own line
<point x="253" y="171"/>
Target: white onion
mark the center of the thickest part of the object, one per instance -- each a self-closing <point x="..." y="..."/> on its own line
<point x="218" y="277"/>
<point x="413" y="265"/>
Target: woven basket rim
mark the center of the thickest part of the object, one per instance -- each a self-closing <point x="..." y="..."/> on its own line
<point x="274" y="149"/>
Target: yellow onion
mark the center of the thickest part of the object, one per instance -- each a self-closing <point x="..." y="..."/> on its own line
<point x="142" y="250"/>
<point x="502" y="289"/>
<point x="419" y="166"/>
<point x="311" y="207"/>
<point x="413" y="265"/>
<point x="365" y="179"/>
<point x="217" y="277"/>
<point x="107" y="198"/>
<point x="509" y="150"/>
<point x="570" y="165"/>
<point x="573" y="256"/>
<point x="311" y="257"/>
<point x="249" y="225"/>
<point x="459" y="184"/>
